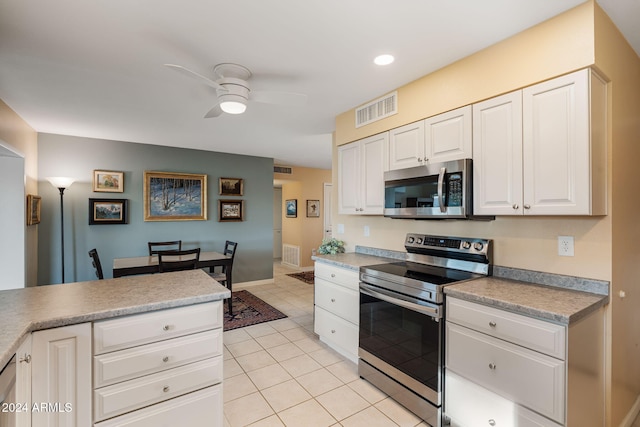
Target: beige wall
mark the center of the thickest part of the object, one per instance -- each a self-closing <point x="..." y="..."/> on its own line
<point x="605" y="247"/>
<point x="618" y="60"/>
<point x="17" y="133"/>
<point x="303" y="184"/>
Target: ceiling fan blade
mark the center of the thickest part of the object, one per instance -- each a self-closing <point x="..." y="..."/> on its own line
<point x="279" y="98"/>
<point x="190" y="73"/>
<point x="214" y="112"/>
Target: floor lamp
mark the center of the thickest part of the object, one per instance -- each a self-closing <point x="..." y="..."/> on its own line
<point x="61" y="183"/>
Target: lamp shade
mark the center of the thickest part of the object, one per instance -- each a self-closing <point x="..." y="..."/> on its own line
<point x="61" y="181"/>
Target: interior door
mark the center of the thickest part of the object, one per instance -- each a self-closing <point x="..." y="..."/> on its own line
<point x="327" y="233"/>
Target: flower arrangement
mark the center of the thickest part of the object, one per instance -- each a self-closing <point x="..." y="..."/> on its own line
<point x="331" y="246"/>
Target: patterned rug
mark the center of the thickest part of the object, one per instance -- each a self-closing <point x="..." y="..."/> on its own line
<point x="305" y="276"/>
<point x="248" y="310"/>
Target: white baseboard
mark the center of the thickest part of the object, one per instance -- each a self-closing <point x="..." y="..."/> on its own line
<point x="633" y="413"/>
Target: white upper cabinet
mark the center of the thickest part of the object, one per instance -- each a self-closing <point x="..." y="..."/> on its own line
<point x="548" y="160"/>
<point x="439" y="138"/>
<point x="361" y="167"/>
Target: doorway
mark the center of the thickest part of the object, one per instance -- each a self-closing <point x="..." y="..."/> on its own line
<point x="277" y="223"/>
<point x="12" y="218"/>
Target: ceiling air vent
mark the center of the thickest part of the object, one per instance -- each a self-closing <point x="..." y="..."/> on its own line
<point x="378" y="109"/>
<point x="282" y="169"/>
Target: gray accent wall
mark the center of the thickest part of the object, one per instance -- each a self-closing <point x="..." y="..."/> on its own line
<point x="60" y="155"/>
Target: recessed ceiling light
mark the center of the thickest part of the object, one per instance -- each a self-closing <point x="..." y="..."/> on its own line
<point x="383" y="59"/>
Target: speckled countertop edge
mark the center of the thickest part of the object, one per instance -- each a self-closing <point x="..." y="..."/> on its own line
<point x="26" y="310"/>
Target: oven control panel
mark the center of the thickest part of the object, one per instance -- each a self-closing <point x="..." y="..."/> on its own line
<point x="417" y="243"/>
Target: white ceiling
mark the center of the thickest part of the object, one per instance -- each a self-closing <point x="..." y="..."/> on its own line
<point x="95" y="68"/>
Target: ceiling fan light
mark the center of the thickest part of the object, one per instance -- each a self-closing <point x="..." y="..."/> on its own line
<point x="233" y="107"/>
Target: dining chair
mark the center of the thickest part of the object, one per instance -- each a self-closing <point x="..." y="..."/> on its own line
<point x="230" y="251"/>
<point x="178" y="260"/>
<point x="95" y="260"/>
<point x="155" y="247"/>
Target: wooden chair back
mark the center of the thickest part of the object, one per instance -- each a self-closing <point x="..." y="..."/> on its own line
<point x="155" y="247"/>
<point x="95" y="260"/>
<point x="178" y="260"/>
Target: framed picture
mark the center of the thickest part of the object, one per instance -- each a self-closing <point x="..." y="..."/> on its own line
<point x="108" y="211"/>
<point x="313" y="208"/>
<point x="108" y="181"/>
<point x="230" y="210"/>
<point x="231" y="186"/>
<point x="170" y="196"/>
<point x="291" y="208"/>
<point x="33" y="209"/>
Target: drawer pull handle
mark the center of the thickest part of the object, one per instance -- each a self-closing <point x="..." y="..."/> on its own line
<point x="492" y="422"/>
<point x="492" y="366"/>
<point x="333" y="275"/>
<point x="333" y="300"/>
<point x="165" y="359"/>
<point x="166" y="327"/>
<point x="165" y="389"/>
<point x="25" y="359"/>
<point x="492" y="324"/>
<point x="333" y="331"/>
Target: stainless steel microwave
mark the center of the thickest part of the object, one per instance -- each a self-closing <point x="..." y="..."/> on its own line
<point x="433" y="191"/>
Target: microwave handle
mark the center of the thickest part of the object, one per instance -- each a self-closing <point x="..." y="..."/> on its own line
<point x="443" y="205"/>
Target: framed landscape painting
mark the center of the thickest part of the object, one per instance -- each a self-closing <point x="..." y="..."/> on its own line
<point x="231" y="186"/>
<point x="107" y="211"/>
<point x="230" y="210"/>
<point x="170" y="196"/>
<point x="291" y="208"/>
<point x="33" y="209"/>
<point x="108" y="181"/>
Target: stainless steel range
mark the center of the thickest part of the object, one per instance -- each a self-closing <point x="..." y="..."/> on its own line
<point x="402" y="318"/>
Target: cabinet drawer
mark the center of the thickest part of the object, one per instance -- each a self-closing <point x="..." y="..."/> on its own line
<point x="129" y="331"/>
<point x="338" y="300"/>
<point x="529" y="378"/>
<point x="114" y="367"/>
<point x="337" y="332"/>
<point x="535" y="334"/>
<point x="199" y="408"/>
<point x="130" y="395"/>
<point x="468" y="404"/>
<point x="340" y="276"/>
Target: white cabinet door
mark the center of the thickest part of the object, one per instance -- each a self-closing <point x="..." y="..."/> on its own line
<point x="361" y="167"/>
<point x="374" y="162"/>
<point x="557" y="146"/>
<point x="497" y="155"/>
<point x="348" y="178"/>
<point x="61" y="376"/>
<point x="448" y="136"/>
<point x="406" y="146"/>
<point x="23" y="382"/>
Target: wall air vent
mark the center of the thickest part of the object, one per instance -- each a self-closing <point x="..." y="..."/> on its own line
<point x="282" y="169"/>
<point x="377" y="110"/>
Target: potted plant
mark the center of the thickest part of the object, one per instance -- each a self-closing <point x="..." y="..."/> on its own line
<point x="331" y="247"/>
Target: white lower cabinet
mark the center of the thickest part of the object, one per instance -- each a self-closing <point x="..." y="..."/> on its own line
<point x="507" y="369"/>
<point x="337" y="308"/>
<point x="160" y="368"/>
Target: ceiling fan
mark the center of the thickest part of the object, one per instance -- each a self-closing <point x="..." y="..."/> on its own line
<point x="233" y="91"/>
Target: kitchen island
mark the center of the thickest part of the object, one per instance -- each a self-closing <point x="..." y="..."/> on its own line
<point x="119" y="346"/>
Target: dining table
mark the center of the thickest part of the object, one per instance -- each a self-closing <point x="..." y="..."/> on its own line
<point x="149" y="264"/>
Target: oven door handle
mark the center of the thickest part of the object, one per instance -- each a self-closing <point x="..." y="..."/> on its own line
<point x="401" y="300"/>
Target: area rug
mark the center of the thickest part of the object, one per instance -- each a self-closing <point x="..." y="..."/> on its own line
<point x="248" y="310"/>
<point x="305" y="276"/>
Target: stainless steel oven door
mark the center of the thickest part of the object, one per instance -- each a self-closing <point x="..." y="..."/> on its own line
<point x="402" y="337"/>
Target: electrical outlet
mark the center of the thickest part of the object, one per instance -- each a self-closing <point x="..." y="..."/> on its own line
<point x="565" y="245"/>
<point x="367" y="231"/>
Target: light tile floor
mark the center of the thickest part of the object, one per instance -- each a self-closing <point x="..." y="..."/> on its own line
<point x="280" y="374"/>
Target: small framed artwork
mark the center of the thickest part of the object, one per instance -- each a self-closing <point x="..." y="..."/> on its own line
<point x="291" y="208"/>
<point x="108" y="211"/>
<point x="33" y="209"/>
<point x="170" y="196"/>
<point x="230" y="210"/>
<point x="231" y="186"/>
<point x="108" y="181"/>
<point x="313" y="208"/>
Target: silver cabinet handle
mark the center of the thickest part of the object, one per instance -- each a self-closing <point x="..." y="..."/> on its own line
<point x="165" y="359"/>
<point x="165" y="389"/>
<point x="333" y="300"/>
<point x="515" y="206"/>
<point x="25" y="359"/>
<point x="527" y="206"/>
<point x="419" y="159"/>
<point x="166" y="327"/>
<point x="333" y="275"/>
<point x="492" y="422"/>
<point x="333" y="331"/>
<point x="492" y="366"/>
<point x="492" y="324"/>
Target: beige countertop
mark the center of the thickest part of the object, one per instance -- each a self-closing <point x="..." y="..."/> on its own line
<point x="30" y="309"/>
<point x="556" y="304"/>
